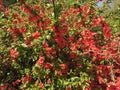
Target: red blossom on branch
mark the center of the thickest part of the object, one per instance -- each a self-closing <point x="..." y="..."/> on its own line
<point x="40" y="61"/>
<point x="14" y="53"/>
<point x="36" y="35"/>
<point x="27" y="78"/>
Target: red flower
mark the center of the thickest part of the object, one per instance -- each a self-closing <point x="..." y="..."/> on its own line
<point x="54" y="53"/>
<point x="0" y="3"/>
<point x="34" y="18"/>
<point x="97" y="21"/>
<point x="68" y="88"/>
<point x="14" y="53"/>
<point x="47" y="66"/>
<point x="15" y="15"/>
<point x="28" y="41"/>
<point x="41" y="85"/>
<point x="118" y="82"/>
<point x="40" y="61"/>
<point x="2" y="87"/>
<point x="73" y="47"/>
<point x="27" y="78"/>
<point x="88" y="88"/>
<point x="60" y="42"/>
<point x="58" y="73"/>
<point x="23" y="30"/>
<point x="106" y="30"/>
<point x="1" y="6"/>
<point x="22" y="7"/>
<point x="45" y="45"/>
<point x="49" y="81"/>
<point x="40" y="24"/>
<point x="63" y="66"/>
<point x="14" y="31"/>
<point x="48" y="50"/>
<point x="85" y="8"/>
<point x="73" y="55"/>
<point x="28" y="9"/>
<point x="46" y="23"/>
<point x="36" y="35"/>
<point x="16" y="82"/>
<point x="100" y="79"/>
<point x="111" y="86"/>
<point x="20" y="19"/>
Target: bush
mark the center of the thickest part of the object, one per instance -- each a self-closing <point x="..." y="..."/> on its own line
<point x="44" y="46"/>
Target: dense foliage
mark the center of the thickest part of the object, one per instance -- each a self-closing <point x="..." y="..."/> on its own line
<point x="52" y="46"/>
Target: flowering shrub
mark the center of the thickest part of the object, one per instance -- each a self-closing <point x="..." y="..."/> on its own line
<point x="56" y="48"/>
